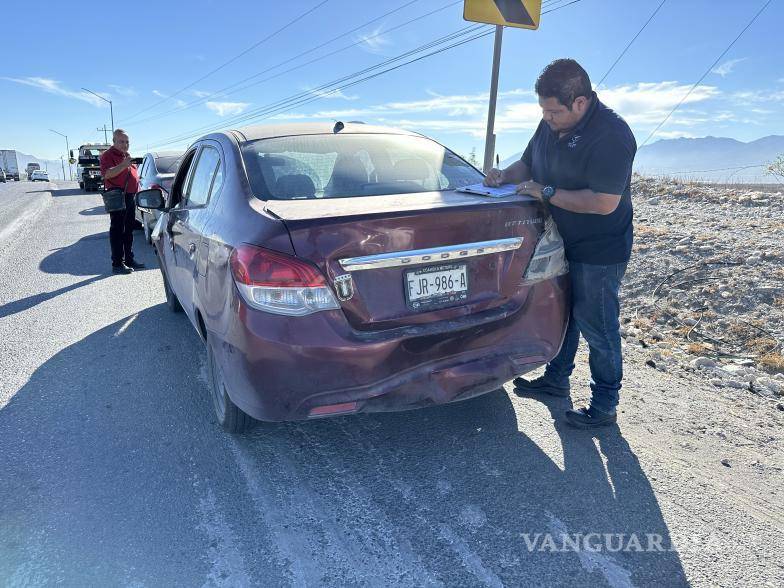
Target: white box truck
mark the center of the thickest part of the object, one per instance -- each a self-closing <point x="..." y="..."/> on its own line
<point x="9" y="163"/>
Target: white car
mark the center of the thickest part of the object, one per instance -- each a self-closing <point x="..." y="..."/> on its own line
<point x="39" y="174"/>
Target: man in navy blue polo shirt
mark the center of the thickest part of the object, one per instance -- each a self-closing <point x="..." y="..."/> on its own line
<point x="579" y="164"/>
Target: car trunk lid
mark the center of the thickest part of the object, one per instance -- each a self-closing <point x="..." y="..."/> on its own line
<point x="387" y="257"/>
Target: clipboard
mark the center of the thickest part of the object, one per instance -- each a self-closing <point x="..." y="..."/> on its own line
<point x="501" y="191"/>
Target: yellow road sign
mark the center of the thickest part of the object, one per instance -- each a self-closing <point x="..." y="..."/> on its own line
<point x="524" y="14"/>
<point x="71" y="160"/>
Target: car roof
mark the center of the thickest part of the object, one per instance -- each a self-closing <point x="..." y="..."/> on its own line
<point x="255" y="132"/>
<point x="174" y="153"/>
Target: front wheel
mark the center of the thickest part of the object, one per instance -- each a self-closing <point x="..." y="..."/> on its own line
<point x="229" y="415"/>
<point x="171" y="298"/>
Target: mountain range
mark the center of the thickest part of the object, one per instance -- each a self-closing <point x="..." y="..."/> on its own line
<point x="710" y="159"/>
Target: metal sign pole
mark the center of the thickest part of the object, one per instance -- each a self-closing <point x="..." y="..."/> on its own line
<point x="490" y="137"/>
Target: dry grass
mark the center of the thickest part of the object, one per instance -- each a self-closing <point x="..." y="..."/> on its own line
<point x="761" y="344"/>
<point x="779" y="302"/>
<point x="772" y="362"/>
<point x="698" y="348"/>
<point x="647" y="230"/>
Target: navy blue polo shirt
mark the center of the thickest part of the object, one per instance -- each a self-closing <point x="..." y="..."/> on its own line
<point x="597" y="154"/>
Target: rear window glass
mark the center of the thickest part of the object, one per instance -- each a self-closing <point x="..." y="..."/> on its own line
<point x="168" y="165"/>
<point x="338" y="166"/>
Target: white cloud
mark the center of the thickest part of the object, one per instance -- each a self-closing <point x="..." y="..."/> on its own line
<point x="55" y="87"/>
<point x="643" y="105"/>
<point x="127" y="91"/>
<point x="647" y="103"/>
<point x="457" y="105"/>
<point x="337" y="93"/>
<point x="227" y="108"/>
<point x="674" y="135"/>
<point x="177" y="102"/>
<point x="757" y="96"/>
<point x="727" y="67"/>
<point x="374" y="41"/>
<point x="200" y="93"/>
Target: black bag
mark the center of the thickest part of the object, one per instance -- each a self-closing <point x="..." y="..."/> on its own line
<point x="114" y="199"/>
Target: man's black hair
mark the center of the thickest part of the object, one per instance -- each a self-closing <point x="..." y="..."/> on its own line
<point x="564" y="79"/>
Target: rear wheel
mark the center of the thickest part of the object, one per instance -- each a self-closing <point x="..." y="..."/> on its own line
<point x="171" y="298"/>
<point x="229" y="415"/>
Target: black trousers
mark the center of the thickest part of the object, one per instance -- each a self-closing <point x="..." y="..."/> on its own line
<point x="121" y="231"/>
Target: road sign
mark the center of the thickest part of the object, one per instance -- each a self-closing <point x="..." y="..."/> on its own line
<point x="523" y="14"/>
<point x="71" y="160"/>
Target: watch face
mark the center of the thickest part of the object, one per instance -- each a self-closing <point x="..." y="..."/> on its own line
<point x="548" y="191"/>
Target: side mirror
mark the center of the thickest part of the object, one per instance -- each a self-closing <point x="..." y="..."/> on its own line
<point x="150" y="199"/>
<point x="70" y="153"/>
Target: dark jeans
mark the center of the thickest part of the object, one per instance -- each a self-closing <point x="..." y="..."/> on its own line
<point x="121" y="231"/>
<point x="594" y="313"/>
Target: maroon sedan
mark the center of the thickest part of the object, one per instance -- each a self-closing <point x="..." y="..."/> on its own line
<point x="332" y="270"/>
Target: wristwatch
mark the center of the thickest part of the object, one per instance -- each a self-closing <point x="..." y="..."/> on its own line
<point x="547" y="193"/>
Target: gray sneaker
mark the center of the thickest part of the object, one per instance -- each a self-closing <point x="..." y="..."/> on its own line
<point x="538" y="386"/>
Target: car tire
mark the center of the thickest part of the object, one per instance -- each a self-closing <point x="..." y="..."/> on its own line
<point x="229" y="416"/>
<point x="171" y="298"/>
<point x="81" y="185"/>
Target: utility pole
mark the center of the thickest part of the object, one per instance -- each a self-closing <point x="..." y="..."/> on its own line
<point x="104" y="129"/>
<point x="62" y="163"/>
<point x="111" y="109"/>
<point x="490" y="137"/>
<point x="67" y="150"/>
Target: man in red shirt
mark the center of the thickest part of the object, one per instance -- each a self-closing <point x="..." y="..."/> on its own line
<point x="118" y="171"/>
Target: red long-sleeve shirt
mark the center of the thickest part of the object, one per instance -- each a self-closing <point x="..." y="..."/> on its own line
<point x="112" y="157"/>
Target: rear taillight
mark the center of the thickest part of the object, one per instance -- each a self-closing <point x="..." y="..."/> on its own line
<point x="280" y="284"/>
<point x="549" y="258"/>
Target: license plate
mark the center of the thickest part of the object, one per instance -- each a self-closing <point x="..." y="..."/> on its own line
<point x="436" y="286"/>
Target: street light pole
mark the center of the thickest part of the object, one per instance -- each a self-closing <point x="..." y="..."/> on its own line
<point x="62" y="163"/>
<point x="490" y="136"/>
<point x="67" y="151"/>
<point x="111" y="108"/>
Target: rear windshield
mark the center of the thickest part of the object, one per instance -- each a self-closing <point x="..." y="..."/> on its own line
<point x="337" y="166"/>
<point x="167" y="164"/>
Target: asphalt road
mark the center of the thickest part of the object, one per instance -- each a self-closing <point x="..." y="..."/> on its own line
<point x="113" y="471"/>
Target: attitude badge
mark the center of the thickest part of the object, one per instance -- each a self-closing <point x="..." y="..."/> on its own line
<point x="344" y="286"/>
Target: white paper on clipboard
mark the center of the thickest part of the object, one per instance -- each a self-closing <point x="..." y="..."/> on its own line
<point x="501" y="191"/>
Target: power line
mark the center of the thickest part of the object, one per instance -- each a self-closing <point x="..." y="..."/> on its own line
<point x="707" y="71"/>
<point x="629" y="44"/>
<point x="287" y="104"/>
<point x="319" y="92"/>
<point x="224" y="92"/>
<point x="236" y="57"/>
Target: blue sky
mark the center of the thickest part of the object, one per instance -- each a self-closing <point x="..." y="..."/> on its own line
<point x="138" y="54"/>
